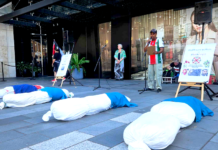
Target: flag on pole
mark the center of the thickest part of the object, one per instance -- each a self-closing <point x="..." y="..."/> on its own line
<point x="55" y="46"/>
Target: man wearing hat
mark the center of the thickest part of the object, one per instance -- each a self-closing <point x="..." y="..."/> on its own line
<point x="155" y="66"/>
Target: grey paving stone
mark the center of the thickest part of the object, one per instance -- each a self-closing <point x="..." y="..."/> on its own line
<point x="101" y="127"/>
<point x="110" y="138"/>
<point x="122" y="111"/>
<point x="127" y="118"/>
<point x="205" y="125"/>
<point x="7" y="110"/>
<point x="144" y="110"/>
<point x="18" y="113"/>
<point x="13" y="126"/>
<point x="93" y="119"/>
<point x="212" y="107"/>
<point x="36" y="114"/>
<point x="38" y="127"/>
<point x="192" y="139"/>
<point x="12" y="120"/>
<point x="9" y="135"/>
<point x="121" y="146"/>
<point x="23" y="142"/>
<point x="35" y="120"/>
<point x="65" y="128"/>
<point x="215" y="138"/>
<point x="215" y="110"/>
<point x="211" y="146"/>
<point x="62" y="142"/>
<point x="87" y="145"/>
<point x="174" y="148"/>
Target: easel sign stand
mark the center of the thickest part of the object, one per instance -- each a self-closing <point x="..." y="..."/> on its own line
<point x="62" y="70"/>
<point x="196" y="68"/>
<point x="56" y="78"/>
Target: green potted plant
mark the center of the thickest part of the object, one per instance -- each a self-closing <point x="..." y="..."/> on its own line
<point x="21" y="67"/>
<point x="76" y="67"/>
<point x="35" y="69"/>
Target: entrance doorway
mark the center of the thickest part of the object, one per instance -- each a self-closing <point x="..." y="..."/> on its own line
<point x="39" y="54"/>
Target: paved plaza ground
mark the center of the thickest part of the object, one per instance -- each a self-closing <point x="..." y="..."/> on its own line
<point x="23" y="128"/>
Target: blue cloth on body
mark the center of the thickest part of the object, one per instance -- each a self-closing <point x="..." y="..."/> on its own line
<point x="199" y="108"/>
<point x="54" y="93"/>
<point x="24" y="88"/>
<point x="119" y="100"/>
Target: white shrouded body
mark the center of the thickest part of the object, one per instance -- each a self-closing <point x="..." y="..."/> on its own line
<point x="181" y="111"/>
<point x="74" y="108"/>
<point x="6" y="90"/>
<point x="26" y="99"/>
<point x="152" y="130"/>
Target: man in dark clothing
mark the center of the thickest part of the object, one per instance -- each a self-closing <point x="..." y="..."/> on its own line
<point x="56" y="62"/>
<point x="176" y="67"/>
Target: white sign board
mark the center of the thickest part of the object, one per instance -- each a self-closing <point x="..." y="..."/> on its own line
<point x="65" y="61"/>
<point x="197" y="63"/>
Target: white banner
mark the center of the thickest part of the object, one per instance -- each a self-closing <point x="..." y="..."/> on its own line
<point x="197" y="63"/>
<point x="65" y="61"/>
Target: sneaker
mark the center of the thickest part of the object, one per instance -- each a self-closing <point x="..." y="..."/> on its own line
<point x="149" y="89"/>
<point x="53" y="80"/>
<point x="159" y="90"/>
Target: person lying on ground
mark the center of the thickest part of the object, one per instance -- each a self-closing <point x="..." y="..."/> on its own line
<point x="21" y="88"/>
<point x="47" y="94"/>
<point x="74" y="108"/>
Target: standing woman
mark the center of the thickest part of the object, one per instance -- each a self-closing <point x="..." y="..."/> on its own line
<point x="119" y="57"/>
<point x="56" y="62"/>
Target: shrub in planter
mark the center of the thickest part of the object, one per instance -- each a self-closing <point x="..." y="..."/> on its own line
<point x="21" y="67"/>
<point x="76" y="67"/>
<point x="35" y="69"/>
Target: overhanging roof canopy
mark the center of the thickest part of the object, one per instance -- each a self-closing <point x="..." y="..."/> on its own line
<point x="83" y="11"/>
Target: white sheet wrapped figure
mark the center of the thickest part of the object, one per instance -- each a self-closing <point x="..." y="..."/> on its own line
<point x="74" y="108"/>
<point x="152" y="130"/>
<point x="158" y="128"/>
<point x="181" y="111"/>
<point x="44" y="95"/>
<point x="21" y="88"/>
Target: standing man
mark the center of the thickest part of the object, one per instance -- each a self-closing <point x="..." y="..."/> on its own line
<point x="155" y="66"/>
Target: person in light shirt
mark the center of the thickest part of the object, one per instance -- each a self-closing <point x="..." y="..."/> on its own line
<point x="155" y="66"/>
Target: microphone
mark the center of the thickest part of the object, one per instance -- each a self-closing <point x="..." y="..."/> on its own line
<point x="149" y="41"/>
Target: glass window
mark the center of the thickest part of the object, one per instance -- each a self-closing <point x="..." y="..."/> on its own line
<point x="40" y="56"/>
<point x="105" y="38"/>
<point x="176" y="28"/>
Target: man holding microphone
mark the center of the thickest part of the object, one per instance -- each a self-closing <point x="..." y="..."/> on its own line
<point x="155" y="65"/>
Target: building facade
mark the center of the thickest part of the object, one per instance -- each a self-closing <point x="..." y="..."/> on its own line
<point x="174" y="26"/>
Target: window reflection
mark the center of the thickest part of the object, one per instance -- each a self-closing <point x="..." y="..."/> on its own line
<point x="105" y="38"/>
<point x="40" y="57"/>
<point x="172" y="26"/>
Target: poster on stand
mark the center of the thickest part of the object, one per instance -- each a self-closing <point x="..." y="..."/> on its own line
<point x="65" y="61"/>
<point x="197" y="63"/>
